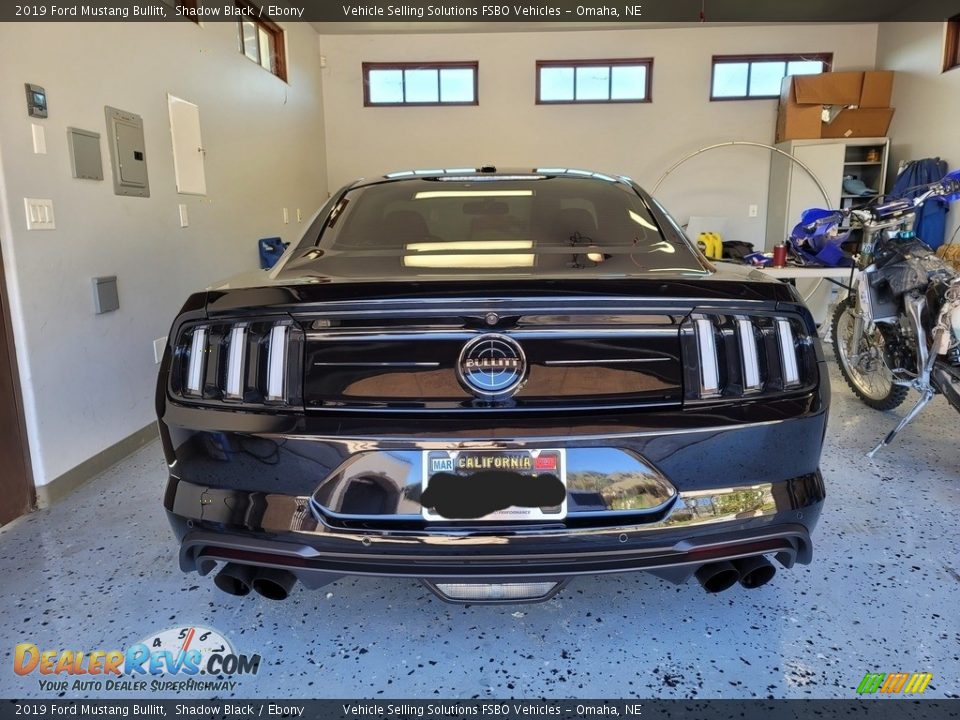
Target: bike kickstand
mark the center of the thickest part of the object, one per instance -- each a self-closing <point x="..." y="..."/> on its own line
<point x="925" y="397"/>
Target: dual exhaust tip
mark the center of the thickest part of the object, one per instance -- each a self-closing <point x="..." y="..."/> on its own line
<point x="751" y="572"/>
<point x="239" y="580"/>
<point x="276" y="584"/>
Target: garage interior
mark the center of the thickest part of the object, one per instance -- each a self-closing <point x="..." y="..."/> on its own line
<point x="97" y="259"/>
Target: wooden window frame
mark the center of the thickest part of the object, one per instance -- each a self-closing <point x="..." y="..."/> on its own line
<point x="275" y="31"/>
<point x="951" y="49"/>
<point x="825" y="58"/>
<point x="596" y="62"/>
<point x="473" y="65"/>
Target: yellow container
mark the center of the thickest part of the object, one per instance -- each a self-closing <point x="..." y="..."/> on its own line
<point x="711" y="245"/>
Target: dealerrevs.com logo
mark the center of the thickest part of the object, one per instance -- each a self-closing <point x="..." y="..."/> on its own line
<point x="898" y="683"/>
<point x="178" y="659"/>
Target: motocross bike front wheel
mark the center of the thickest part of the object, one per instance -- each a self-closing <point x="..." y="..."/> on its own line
<point x="864" y="368"/>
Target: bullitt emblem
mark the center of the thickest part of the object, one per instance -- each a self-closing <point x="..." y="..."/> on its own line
<point x="492" y="365"/>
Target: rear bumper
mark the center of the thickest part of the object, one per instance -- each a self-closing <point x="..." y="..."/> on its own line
<point x="672" y="548"/>
<point x="247" y="489"/>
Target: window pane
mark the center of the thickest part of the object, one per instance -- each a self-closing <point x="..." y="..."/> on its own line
<point x="765" y="77"/>
<point x="385" y="86"/>
<point x="556" y="83"/>
<point x="249" y="30"/>
<point x="593" y="83"/>
<point x="805" y="67"/>
<point x="421" y="86"/>
<point x="456" y="85"/>
<point x="628" y="82"/>
<point x="730" y="79"/>
<point x="266" y="49"/>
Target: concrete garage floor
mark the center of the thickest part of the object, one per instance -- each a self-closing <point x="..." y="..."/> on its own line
<point x="99" y="572"/>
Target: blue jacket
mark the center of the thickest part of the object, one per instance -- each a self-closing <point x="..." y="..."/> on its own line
<point x="932" y="216"/>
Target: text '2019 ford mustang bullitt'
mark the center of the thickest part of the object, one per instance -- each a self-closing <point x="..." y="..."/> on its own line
<point x="493" y="381"/>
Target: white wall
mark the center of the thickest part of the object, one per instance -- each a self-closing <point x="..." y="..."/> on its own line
<point x="88" y="381"/>
<point x="640" y="140"/>
<point x="927" y="100"/>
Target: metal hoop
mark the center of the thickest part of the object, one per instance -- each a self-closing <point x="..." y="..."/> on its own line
<point x="731" y="143"/>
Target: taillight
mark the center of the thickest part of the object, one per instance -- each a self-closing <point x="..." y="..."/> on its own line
<point x="246" y="363"/>
<point x="196" y="361"/>
<point x="729" y="356"/>
<point x="709" y="376"/>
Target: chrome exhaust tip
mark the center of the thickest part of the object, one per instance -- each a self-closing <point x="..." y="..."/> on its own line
<point x="235" y="579"/>
<point x="717" y="577"/>
<point x="755" y="571"/>
<point x="274" y="584"/>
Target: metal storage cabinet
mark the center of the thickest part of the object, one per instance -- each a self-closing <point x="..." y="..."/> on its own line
<point x="792" y="191"/>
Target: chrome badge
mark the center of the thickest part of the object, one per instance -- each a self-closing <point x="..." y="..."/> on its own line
<point x="491" y="365"/>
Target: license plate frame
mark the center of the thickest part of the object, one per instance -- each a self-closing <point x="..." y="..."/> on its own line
<point x="540" y="462"/>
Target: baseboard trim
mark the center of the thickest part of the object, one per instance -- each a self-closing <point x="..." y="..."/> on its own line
<point x="60" y="487"/>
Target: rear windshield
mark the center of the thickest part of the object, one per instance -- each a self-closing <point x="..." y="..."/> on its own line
<point x="527" y="225"/>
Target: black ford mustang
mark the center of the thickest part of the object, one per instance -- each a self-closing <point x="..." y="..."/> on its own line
<point x="493" y="381"/>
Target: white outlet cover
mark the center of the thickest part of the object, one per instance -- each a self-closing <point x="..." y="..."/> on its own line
<point x="39" y="139"/>
<point x="158" y="347"/>
<point x="39" y="212"/>
<point x="299" y="215"/>
<point x="753" y="210"/>
<point x="184" y="218"/>
<point x="286" y="216"/>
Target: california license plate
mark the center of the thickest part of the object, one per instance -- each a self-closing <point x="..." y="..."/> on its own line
<point x="494" y="485"/>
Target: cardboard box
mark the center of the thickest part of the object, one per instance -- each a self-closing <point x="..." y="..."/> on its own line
<point x="834" y="88"/>
<point x="858" y="105"/>
<point x="861" y="122"/>
<point x="877" y="89"/>
<point x="798" y="122"/>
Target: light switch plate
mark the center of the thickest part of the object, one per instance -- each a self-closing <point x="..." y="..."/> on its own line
<point x="158" y="347"/>
<point x="286" y="216"/>
<point x="299" y="215"/>
<point x="184" y="219"/>
<point x="39" y="139"/>
<point x="39" y="214"/>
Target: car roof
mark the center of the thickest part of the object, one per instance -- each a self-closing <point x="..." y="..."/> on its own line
<point x="489" y="173"/>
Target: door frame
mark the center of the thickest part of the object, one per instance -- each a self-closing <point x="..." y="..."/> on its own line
<point x="29" y="495"/>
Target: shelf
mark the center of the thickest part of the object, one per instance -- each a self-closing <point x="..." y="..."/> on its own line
<point x="789" y="193"/>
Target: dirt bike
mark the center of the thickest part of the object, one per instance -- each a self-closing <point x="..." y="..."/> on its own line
<point x="899" y="328"/>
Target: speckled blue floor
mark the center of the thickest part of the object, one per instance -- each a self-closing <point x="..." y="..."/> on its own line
<point x="99" y="571"/>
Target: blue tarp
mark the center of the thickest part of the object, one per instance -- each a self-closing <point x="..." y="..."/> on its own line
<point x="932" y="217"/>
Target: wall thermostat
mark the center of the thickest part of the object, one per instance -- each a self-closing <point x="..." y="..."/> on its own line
<point x="36" y="101"/>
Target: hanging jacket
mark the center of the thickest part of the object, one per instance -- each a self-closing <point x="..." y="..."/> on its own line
<point x="932" y="216"/>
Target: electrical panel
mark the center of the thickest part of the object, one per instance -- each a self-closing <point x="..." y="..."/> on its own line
<point x="85" y="161"/>
<point x="105" y="296"/>
<point x="128" y="153"/>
